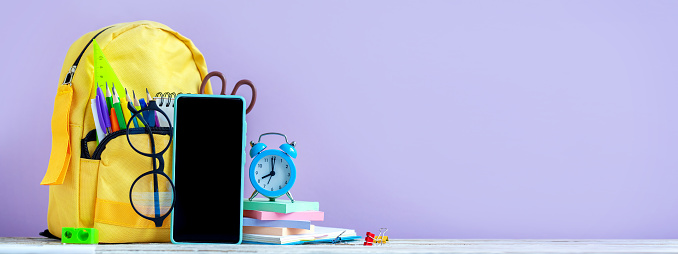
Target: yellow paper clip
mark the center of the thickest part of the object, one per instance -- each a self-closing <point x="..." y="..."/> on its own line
<point x="381" y="239"/>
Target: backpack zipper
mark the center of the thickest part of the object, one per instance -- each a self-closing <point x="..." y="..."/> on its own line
<point x="102" y="145"/>
<point x="71" y="71"/>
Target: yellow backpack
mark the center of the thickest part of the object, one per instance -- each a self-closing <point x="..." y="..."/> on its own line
<point x="90" y="188"/>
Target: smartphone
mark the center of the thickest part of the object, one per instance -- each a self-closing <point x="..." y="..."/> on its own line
<point x="207" y="168"/>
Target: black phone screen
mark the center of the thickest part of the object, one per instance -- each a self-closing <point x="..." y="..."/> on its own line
<point x="208" y="168"/>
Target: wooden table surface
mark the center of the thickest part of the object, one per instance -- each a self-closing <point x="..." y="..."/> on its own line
<point x="394" y="246"/>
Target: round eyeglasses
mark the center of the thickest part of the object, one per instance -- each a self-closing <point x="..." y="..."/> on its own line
<point x="152" y="193"/>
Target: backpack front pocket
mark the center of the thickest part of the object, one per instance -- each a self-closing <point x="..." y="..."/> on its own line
<point x="119" y="166"/>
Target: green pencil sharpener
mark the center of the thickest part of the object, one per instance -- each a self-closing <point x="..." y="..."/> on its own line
<point x="80" y="235"/>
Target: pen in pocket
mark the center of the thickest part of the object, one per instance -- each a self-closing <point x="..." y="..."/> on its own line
<point x="109" y="101"/>
<point x="103" y="110"/>
<point x="114" y="121"/>
<point x="129" y="101"/>
<point x="97" y="120"/>
<point x="152" y="118"/>
<point x="118" y="110"/>
<point x="138" y="107"/>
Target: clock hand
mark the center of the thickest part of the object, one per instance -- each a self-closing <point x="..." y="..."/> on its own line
<point x="269" y="174"/>
<point x="272" y="170"/>
<point x="272" y="174"/>
<point x="272" y="163"/>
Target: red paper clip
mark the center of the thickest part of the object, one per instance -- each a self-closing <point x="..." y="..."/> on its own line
<point x="369" y="239"/>
<point x="380" y="239"/>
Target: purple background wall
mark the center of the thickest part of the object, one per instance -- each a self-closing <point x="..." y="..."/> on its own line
<point x="436" y="119"/>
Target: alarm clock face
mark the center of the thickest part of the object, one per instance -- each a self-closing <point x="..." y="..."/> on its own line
<point x="272" y="172"/>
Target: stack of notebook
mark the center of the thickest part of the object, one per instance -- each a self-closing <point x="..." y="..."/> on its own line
<point x="284" y="222"/>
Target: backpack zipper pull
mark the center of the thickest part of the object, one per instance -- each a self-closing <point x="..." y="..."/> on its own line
<point x="71" y="72"/>
<point x="69" y="75"/>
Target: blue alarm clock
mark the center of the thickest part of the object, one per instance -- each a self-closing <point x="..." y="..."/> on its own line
<point x="272" y="172"/>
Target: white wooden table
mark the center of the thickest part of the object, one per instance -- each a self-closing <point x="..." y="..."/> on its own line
<point x="394" y="246"/>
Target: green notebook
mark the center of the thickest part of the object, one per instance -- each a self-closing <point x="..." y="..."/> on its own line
<point x="280" y="206"/>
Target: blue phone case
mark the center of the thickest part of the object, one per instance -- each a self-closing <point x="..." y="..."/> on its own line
<point x="242" y="166"/>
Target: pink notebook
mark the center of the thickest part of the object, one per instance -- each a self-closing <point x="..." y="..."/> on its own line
<point x="277" y="231"/>
<point x="307" y="215"/>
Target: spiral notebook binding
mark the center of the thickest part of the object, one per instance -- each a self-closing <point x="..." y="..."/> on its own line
<point x="166" y="102"/>
<point x="166" y="98"/>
